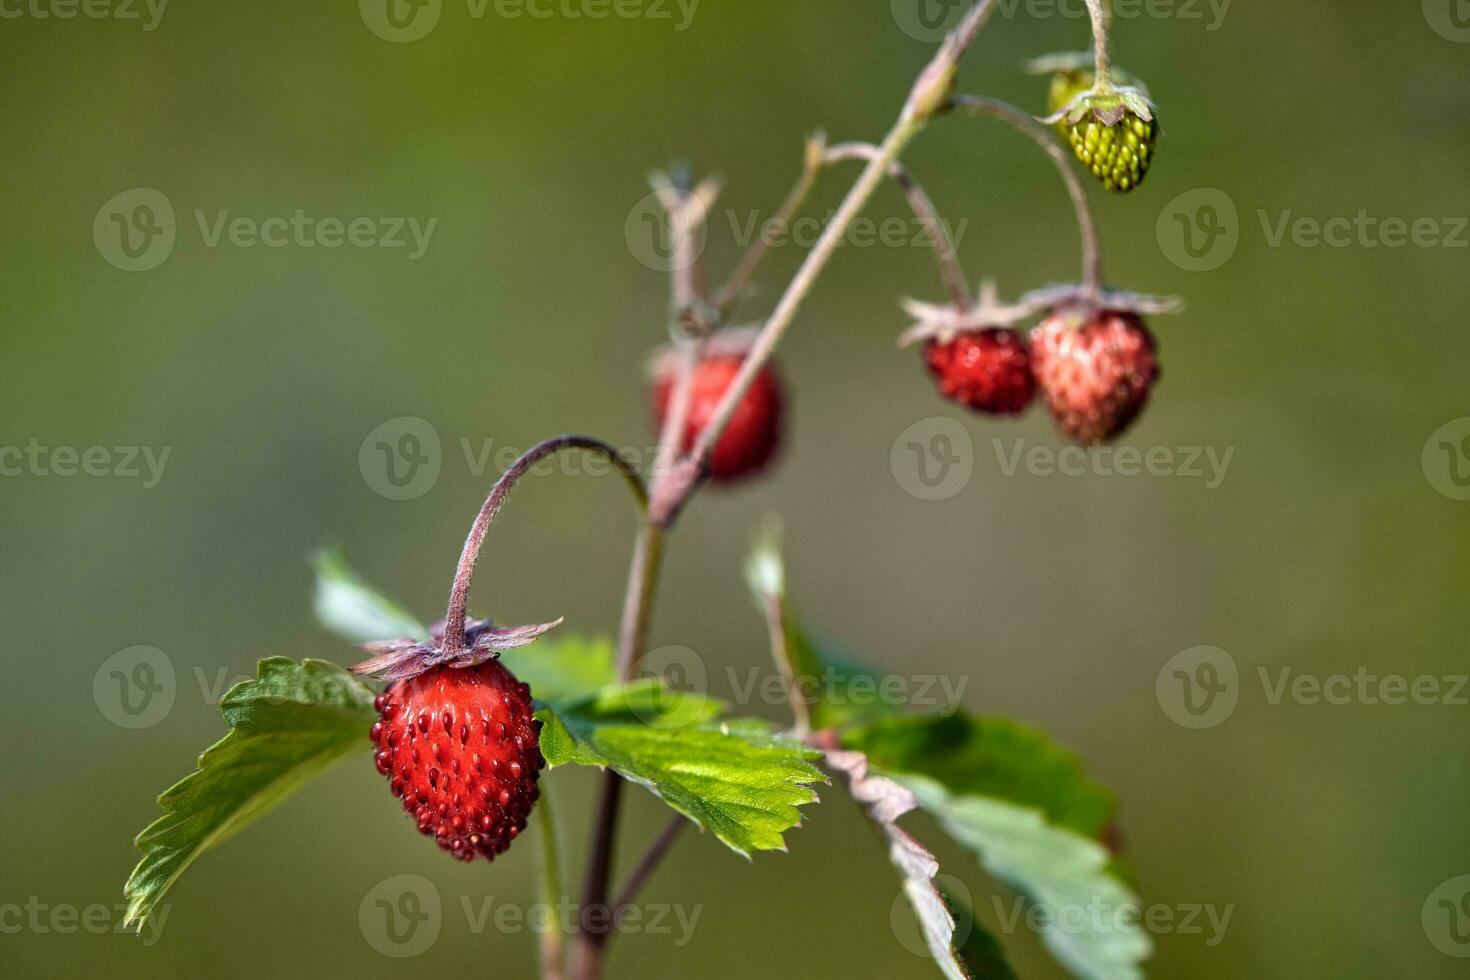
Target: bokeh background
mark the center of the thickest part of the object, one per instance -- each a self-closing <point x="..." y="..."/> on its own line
<point x="1330" y="545"/>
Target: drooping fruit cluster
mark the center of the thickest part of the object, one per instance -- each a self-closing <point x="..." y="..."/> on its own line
<point x="1096" y="378"/>
<point x="1093" y="374"/>
<point x="754" y="432"/>
<point x="459" y="746"/>
<point x="987" y="370"/>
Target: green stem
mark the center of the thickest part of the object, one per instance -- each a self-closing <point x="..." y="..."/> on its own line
<point x="1101" y="59"/>
<point x="1092" y="262"/>
<point x="553" y="943"/>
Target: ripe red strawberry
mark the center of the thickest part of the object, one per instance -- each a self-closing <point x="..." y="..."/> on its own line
<point x="1095" y="379"/>
<point x="754" y="433"/>
<point x="459" y="745"/>
<point x="987" y="370"/>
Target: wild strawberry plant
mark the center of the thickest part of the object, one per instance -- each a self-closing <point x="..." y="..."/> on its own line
<point x="465" y="718"/>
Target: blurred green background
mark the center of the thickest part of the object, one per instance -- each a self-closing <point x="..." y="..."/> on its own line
<point x="1327" y="547"/>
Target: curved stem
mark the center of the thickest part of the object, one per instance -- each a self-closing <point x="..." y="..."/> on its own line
<point x="459" y="592"/>
<point x="1092" y="261"/>
<point x="1102" y="65"/>
<point x="945" y="253"/>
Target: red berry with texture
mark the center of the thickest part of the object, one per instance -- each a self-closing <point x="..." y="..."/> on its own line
<point x="754" y="433"/>
<point x="1095" y="379"/>
<point x="459" y="746"/>
<point x="987" y="370"/>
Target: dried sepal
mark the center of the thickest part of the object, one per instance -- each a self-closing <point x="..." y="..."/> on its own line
<point x="395" y="660"/>
<point x="1106" y="104"/>
<point x="942" y="323"/>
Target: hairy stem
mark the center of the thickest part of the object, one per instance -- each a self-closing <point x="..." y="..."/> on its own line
<point x="459" y="592"/>
<point x="1092" y="263"/>
<point x="734" y="287"/>
<point x="650" y="861"/>
<point x="1102" y="65"/>
<point x="945" y="254"/>
<point x="781" y="653"/>
<point x="806" y="277"/>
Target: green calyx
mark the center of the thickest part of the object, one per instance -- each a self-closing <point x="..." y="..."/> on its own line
<point x="1113" y="131"/>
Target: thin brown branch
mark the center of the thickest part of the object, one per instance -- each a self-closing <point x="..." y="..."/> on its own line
<point x="1092" y="261"/>
<point x="945" y="253"/>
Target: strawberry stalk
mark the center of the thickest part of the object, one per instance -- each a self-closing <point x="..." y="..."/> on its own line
<point x="464" y="573"/>
<point x="1092" y="261"/>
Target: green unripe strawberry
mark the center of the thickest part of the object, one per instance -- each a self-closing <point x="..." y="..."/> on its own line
<point x="1113" y="134"/>
<point x="1066" y="86"/>
<point x="1118" y="155"/>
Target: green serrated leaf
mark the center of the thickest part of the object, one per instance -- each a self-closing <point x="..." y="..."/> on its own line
<point x="1089" y="919"/>
<point x="993" y="757"/>
<point x="354" y="610"/>
<point x="287" y="726"/>
<point x="736" y="780"/>
<point x="961" y="948"/>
